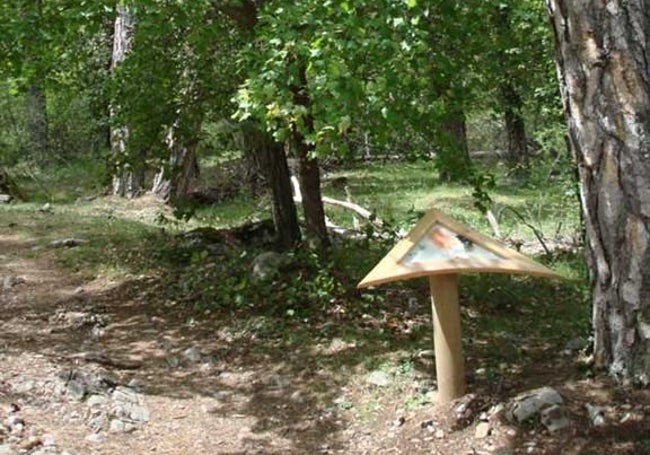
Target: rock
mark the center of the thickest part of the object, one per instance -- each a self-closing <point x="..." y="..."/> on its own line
<point x="10" y="281"/>
<point x="596" y="415"/>
<point x="440" y="433"/>
<point x="96" y="400"/>
<point x="267" y="265"/>
<point x="5" y="449"/>
<point x="379" y="378"/>
<point x="482" y="430"/>
<point x="575" y="345"/>
<point x="5" y="198"/>
<point x="48" y="440"/>
<point x="123" y="394"/>
<point x="119" y="426"/>
<point x="76" y="389"/>
<point x="68" y="243"/>
<point x="528" y="404"/>
<point x="554" y="418"/>
<point x="139" y="414"/>
<point x="96" y="438"/>
<point x="30" y="443"/>
<point x="192" y="355"/>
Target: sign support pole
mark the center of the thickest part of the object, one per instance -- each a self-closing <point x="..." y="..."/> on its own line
<point x="450" y="364"/>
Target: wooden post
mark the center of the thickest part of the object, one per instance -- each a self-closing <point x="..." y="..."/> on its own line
<point x="450" y="365"/>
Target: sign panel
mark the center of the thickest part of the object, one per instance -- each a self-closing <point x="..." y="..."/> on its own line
<point x="439" y="245"/>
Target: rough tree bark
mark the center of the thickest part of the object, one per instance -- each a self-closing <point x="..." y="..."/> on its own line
<point x="308" y="169"/>
<point x="175" y="179"/>
<point x="515" y="126"/>
<point x="128" y="178"/>
<point x="603" y="56"/>
<point x="272" y="160"/>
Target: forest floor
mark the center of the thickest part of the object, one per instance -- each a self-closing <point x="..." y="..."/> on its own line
<point x="105" y="365"/>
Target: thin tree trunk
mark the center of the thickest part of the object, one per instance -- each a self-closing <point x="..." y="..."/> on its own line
<point x="308" y="169"/>
<point x="285" y="219"/>
<point x="515" y="126"/>
<point x="35" y="99"/>
<point x="128" y="178"/>
<point x="37" y="122"/>
<point x="603" y="50"/>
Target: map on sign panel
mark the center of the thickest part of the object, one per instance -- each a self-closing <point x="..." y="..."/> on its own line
<point x="442" y="244"/>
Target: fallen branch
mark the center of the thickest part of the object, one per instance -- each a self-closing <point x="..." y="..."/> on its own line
<point x="356" y="208"/>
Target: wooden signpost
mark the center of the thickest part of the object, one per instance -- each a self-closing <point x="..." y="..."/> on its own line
<point x="441" y="248"/>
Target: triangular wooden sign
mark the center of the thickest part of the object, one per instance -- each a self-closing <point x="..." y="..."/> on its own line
<point x="439" y="245"/>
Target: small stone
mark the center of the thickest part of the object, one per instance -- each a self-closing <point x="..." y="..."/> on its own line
<point x="68" y="243"/>
<point x="192" y="355"/>
<point x="76" y="389"/>
<point x="119" y="426"/>
<point x="399" y="421"/>
<point x="379" y="379"/>
<point x="79" y="290"/>
<point x="48" y="440"/>
<point x="5" y="449"/>
<point x="125" y="395"/>
<point x="173" y="361"/>
<point x="440" y="433"/>
<point x="482" y="430"/>
<point x="30" y="443"/>
<point x="96" y="400"/>
<point x="96" y="438"/>
<point x="426" y="424"/>
<point x="267" y="265"/>
<point x="139" y="413"/>
<point x="596" y="414"/>
<point x="554" y="418"/>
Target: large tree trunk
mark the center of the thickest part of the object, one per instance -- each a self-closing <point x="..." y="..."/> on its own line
<point x="515" y="126"/>
<point x="128" y="178"/>
<point x="603" y="55"/>
<point x="308" y="169"/>
<point x="174" y="180"/>
<point x="271" y="158"/>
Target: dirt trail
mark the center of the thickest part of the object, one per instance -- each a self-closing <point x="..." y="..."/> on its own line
<point x="202" y="395"/>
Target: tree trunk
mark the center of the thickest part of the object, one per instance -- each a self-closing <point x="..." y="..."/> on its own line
<point x="285" y="219"/>
<point x="35" y="99"/>
<point x="174" y="180"/>
<point x="128" y="178"/>
<point x="603" y="55"/>
<point x="308" y="169"/>
<point x="312" y="201"/>
<point x="37" y="124"/>
<point x="515" y="126"/>
<point x="271" y="158"/>
<point x="453" y="160"/>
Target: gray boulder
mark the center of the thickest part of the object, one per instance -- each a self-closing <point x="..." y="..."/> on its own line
<point x="529" y="404"/>
<point x="267" y="265"/>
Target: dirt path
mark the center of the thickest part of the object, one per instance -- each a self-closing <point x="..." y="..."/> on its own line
<point x="197" y="391"/>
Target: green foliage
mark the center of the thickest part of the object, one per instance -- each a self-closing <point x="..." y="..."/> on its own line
<point x="306" y="283"/>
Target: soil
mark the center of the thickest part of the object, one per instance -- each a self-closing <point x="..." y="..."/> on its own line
<point x="211" y="390"/>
